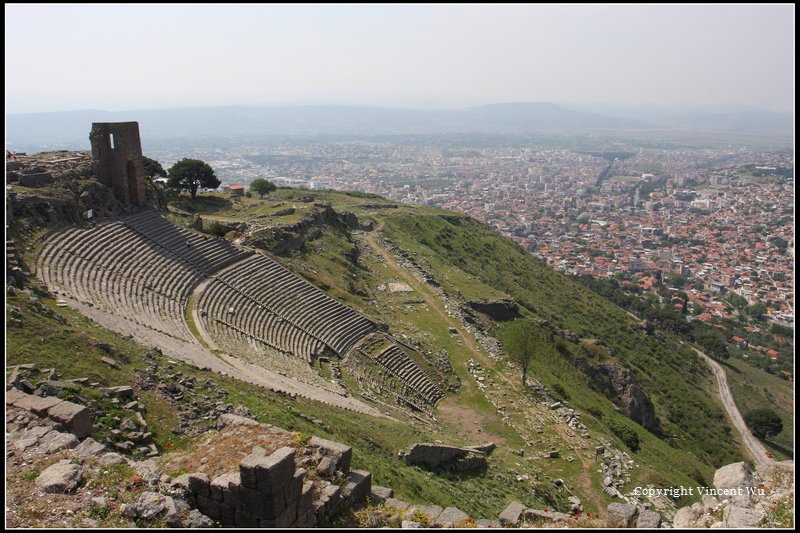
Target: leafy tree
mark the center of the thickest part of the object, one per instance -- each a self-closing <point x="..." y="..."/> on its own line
<point x="191" y="174"/>
<point x="153" y="168"/>
<point x="262" y="186"/>
<point x="712" y="344"/>
<point x="763" y="422"/>
<point x="783" y="331"/>
<point x="755" y="310"/>
<point x="522" y="345"/>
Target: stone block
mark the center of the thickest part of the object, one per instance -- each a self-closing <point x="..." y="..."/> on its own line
<point x="262" y="506"/>
<point x="12" y="395"/>
<point x="450" y="517"/>
<point x="220" y="484"/>
<point x="74" y="417"/>
<point x="741" y="517"/>
<point x="36" y="404"/>
<point x="379" y="494"/>
<point x="274" y="472"/>
<point x="648" y="520"/>
<point x="55" y="441"/>
<point x="357" y="489"/>
<point x="306" y="500"/>
<point x="287" y="517"/>
<point x="397" y="504"/>
<point x="208" y="507"/>
<point x="245" y="520"/>
<point x="342" y="453"/>
<point x="326" y="467"/>
<point x="538" y="515"/>
<point x="510" y="515"/>
<point x="60" y="477"/>
<point x="431" y="511"/>
<point x="620" y="515"/>
<point x="227" y="515"/>
<point x="88" y="448"/>
<point x="199" y="484"/>
<point x="295" y="487"/>
<point x="232" y="495"/>
<point x="247" y="470"/>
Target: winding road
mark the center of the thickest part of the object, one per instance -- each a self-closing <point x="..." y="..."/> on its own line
<point x="753" y="445"/>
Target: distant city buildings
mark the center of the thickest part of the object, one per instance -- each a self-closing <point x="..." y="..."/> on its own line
<point x="721" y="219"/>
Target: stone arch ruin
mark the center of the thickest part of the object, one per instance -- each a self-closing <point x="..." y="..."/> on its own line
<point x="117" y="159"/>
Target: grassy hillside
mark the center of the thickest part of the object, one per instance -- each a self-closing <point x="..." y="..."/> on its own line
<point x="752" y="388"/>
<point x="674" y="377"/>
<point x="471" y="261"/>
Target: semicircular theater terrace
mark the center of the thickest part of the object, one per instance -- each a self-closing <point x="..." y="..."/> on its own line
<point x="143" y="274"/>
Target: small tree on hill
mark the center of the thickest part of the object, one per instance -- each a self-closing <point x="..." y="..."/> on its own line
<point x="764" y="422"/>
<point x="153" y="168"/>
<point x="522" y="345"/>
<point x="190" y="175"/>
<point x="262" y="187"/>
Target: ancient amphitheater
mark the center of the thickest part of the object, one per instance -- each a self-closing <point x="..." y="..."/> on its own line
<point x="234" y="310"/>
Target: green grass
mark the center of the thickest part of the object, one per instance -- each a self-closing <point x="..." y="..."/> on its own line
<point x="676" y="380"/>
<point x="753" y="388"/>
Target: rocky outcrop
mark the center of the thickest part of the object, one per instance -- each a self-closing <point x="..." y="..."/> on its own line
<point x="746" y="499"/>
<point x="448" y="458"/>
<point x="619" y="384"/>
<point x="735" y="481"/>
<point x="287" y="239"/>
<point x="502" y="309"/>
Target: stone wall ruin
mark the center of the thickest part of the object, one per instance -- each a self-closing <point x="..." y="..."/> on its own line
<point x="117" y="159"/>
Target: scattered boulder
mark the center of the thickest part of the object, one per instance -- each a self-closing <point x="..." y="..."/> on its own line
<point x="648" y="520"/>
<point x="740" y="517"/>
<point x="150" y="505"/>
<point x="736" y="478"/>
<point x="60" y="477"/>
<point x="326" y="467"/>
<point x="54" y="441"/>
<point x="112" y="458"/>
<point x="502" y="309"/>
<point x="540" y="515"/>
<point x="75" y="418"/>
<point x="450" y="517"/>
<point x="684" y="518"/>
<point x="450" y="458"/>
<point x="621" y="515"/>
<point x="196" y="519"/>
<point x="380" y="494"/>
<point x="510" y="515"/>
<point x="88" y="448"/>
<point x="358" y="486"/>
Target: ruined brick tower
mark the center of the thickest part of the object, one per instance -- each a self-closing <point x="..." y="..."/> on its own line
<point x="117" y="159"/>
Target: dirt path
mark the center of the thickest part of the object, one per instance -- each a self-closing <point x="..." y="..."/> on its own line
<point x="753" y="445"/>
<point x="469" y="422"/>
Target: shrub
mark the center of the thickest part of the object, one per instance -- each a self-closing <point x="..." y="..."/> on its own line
<point x="625" y="433"/>
<point x="763" y="422"/>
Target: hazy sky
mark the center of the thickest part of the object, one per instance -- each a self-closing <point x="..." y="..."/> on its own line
<point x="66" y="57"/>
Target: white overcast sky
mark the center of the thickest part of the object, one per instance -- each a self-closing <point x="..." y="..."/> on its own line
<point x="67" y="57"/>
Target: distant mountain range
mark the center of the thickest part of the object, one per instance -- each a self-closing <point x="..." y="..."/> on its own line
<point x="71" y="129"/>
